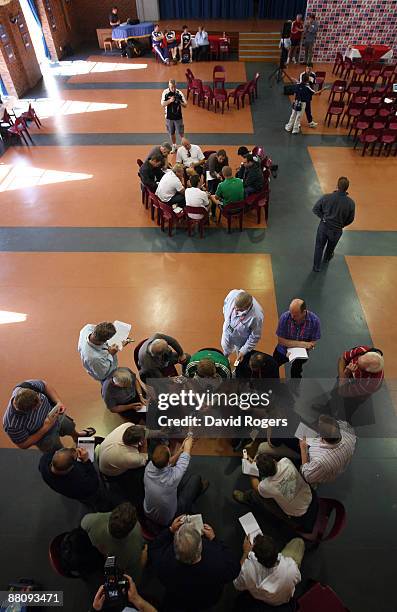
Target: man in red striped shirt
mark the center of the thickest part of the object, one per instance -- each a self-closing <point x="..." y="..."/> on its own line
<point x="360" y="371"/>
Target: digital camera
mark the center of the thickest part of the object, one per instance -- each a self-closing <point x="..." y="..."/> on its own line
<point x="115" y="585"/>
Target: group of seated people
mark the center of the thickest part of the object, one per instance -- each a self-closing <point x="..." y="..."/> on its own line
<point x="165" y="45"/>
<point x="140" y="486"/>
<point x="199" y="182"/>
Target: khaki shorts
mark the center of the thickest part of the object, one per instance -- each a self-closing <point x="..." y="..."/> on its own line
<point x="175" y="125"/>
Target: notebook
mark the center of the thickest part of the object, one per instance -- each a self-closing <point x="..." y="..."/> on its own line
<point x="304" y="431"/>
<point x="296" y="353"/>
<point x="122" y="332"/>
<point x="196" y="520"/>
<point x="249" y="468"/>
<point x="87" y="444"/>
<point x="250" y="526"/>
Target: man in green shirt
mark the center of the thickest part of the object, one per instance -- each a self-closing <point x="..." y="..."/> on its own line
<point x="118" y="534"/>
<point x="230" y="190"/>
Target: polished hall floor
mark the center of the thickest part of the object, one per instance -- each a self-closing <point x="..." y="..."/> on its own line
<point x="76" y="245"/>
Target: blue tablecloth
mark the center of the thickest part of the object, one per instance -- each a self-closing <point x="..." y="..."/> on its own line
<point x="132" y="31"/>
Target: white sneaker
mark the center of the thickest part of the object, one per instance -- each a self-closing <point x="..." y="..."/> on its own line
<point x="313" y="124"/>
<point x="174" y="148"/>
<point x="294" y="61"/>
<point x="288" y="129"/>
<point x="295" y="131"/>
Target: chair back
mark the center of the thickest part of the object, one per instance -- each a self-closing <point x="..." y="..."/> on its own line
<point x="6" y="117"/>
<point x="259" y="151"/>
<point x="196" y="210"/>
<point x="220" y="69"/>
<point x="139" y="162"/>
<point x="326" y="506"/>
<point x="339" y="85"/>
<point x="189" y="74"/>
<point x="207" y="154"/>
<point x="234" y="208"/>
<point x="320" y="597"/>
<point x="388" y="136"/>
<point x="379" y="122"/>
<point x="54" y="554"/>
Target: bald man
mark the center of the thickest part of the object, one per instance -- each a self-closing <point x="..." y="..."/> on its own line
<point x="157" y="354"/>
<point x="70" y="472"/>
<point x="191" y="156"/>
<point x="243" y="322"/>
<point x="297" y="328"/>
<point x="363" y="366"/>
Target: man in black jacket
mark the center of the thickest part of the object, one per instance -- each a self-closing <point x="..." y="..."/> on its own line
<point x="253" y="176"/>
<point x="75" y="479"/>
<point x="336" y="210"/>
<point x="151" y="172"/>
<point x="192" y="567"/>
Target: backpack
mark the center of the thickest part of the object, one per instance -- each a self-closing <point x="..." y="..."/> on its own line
<point x="186" y="56"/>
<point x="77" y="555"/>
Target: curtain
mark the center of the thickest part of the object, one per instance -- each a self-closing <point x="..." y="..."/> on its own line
<point x="281" y="9"/>
<point x="3" y="89"/>
<point x="206" y="9"/>
<point x="35" y="14"/>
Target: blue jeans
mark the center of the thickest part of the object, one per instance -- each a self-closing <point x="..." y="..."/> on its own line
<point x="326" y="238"/>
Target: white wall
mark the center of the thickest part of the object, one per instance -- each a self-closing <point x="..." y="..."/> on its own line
<point x="148" y="10"/>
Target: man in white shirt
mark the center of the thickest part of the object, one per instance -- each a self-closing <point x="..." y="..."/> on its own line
<point x="123" y="449"/>
<point x="170" y="188"/>
<point x="243" y="322"/>
<point x="191" y="156"/>
<point x="99" y="358"/>
<point x="202" y="44"/>
<point x="195" y="196"/>
<point x="324" y="458"/>
<point x="267" y="575"/>
<point x="282" y="491"/>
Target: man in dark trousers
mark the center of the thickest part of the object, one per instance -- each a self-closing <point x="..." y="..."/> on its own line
<point x="336" y="211"/>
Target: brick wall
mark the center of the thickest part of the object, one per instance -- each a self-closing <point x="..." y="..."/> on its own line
<point x="19" y="68"/>
<point x="93" y="14"/>
<point x="60" y="24"/>
<point x="344" y="22"/>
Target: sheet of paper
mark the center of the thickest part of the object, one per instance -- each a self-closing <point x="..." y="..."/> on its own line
<point x="304" y="431"/>
<point x="249" y="468"/>
<point x="122" y="332"/>
<point x="250" y="526"/>
<point x="296" y="353"/>
<point x="196" y="520"/>
<point x="143" y="409"/>
<point x="208" y="176"/>
<point x="88" y="444"/>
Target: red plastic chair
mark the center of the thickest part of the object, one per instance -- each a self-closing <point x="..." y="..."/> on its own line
<point x="320" y="79"/>
<point x="384" y="110"/>
<point x="353" y="89"/>
<point x="167" y="215"/>
<point x="6" y="121"/>
<point x="20" y="130"/>
<point x="192" y="83"/>
<point x="338" y="63"/>
<point x="196" y="210"/>
<point x="373" y="72"/>
<point x="387" y="74"/>
<point x="392" y="122"/>
<point x="230" y="211"/>
<point x="358" y="70"/>
<point x="31" y="115"/>
<point x="218" y="77"/>
<point x="368" y="138"/>
<point x="259" y="202"/>
<point x="359" y="97"/>
<point x="338" y="87"/>
<point x="375" y="98"/>
<point x="239" y="94"/>
<point x="387" y="139"/>
<point x="335" y="109"/>
<point x="154" y="203"/>
<point x="379" y="122"/>
<point x="361" y="123"/>
<point x="326" y="506"/>
<point x="370" y="110"/>
<point x="54" y="554"/>
<point x="320" y="598"/>
<point x="347" y="68"/>
<point x="221" y="97"/>
<point x="367" y="88"/>
<point x="354" y="109"/>
<point x="214" y="49"/>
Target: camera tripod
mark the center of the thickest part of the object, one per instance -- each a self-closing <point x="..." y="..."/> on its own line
<point x="278" y="74"/>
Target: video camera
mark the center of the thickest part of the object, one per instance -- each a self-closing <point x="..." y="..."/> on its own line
<point x="115" y="585"/>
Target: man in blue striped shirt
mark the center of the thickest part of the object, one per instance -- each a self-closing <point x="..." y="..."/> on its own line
<point x="297" y="328"/>
<point x="28" y="422"/>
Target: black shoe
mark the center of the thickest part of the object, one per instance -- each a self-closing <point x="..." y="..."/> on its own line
<point x="316" y="269"/>
<point x="327" y="259"/>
